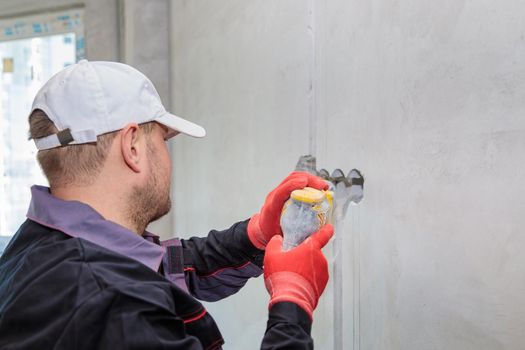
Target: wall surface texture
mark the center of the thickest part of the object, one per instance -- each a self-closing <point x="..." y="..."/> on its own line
<point x="426" y="98"/>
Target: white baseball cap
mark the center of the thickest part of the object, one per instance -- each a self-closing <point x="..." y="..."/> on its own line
<point x="88" y="99"/>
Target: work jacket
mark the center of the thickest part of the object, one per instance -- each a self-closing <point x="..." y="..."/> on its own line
<point x="69" y="279"/>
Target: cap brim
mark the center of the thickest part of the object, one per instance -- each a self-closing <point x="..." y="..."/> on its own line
<point x="181" y="125"/>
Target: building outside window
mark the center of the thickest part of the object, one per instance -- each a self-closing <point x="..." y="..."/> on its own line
<point x="32" y="49"/>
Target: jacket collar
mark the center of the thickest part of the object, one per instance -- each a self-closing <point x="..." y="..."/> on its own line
<point x="79" y="220"/>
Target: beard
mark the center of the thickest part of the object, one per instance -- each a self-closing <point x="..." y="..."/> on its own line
<point x="151" y="201"/>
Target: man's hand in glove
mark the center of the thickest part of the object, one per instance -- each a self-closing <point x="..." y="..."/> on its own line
<point x="266" y="224"/>
<point x="300" y="274"/>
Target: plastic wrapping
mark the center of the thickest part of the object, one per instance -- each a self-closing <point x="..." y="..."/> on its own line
<point x="302" y="216"/>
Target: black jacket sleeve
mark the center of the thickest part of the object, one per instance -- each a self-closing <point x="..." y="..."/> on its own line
<point x="288" y="327"/>
<point x="222" y="262"/>
<point x="219" y="265"/>
<point x="114" y="321"/>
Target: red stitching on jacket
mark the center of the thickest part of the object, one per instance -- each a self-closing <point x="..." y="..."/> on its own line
<point x="199" y="316"/>
<point x="216" y="343"/>
<point x="220" y="270"/>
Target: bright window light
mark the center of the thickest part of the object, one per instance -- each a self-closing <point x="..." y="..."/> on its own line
<point x="25" y="65"/>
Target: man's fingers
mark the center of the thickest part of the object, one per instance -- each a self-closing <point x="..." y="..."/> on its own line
<point x="282" y="193"/>
<point x="316" y="182"/>
<point x="275" y="241"/>
<point x="312" y="180"/>
<point x="297" y="181"/>
<point x="321" y="237"/>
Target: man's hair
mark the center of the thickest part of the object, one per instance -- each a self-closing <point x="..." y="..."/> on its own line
<point x="72" y="164"/>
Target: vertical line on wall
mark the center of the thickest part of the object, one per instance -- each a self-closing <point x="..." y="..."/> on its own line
<point x="338" y="286"/>
<point x="312" y="93"/>
<point x="316" y="99"/>
<point x="126" y="34"/>
<point x="171" y="102"/>
<point x="356" y="307"/>
<point x="121" y="29"/>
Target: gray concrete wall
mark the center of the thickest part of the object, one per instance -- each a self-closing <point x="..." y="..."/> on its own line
<point x="144" y="41"/>
<point x="144" y="44"/>
<point x="249" y="91"/>
<point x="426" y="98"/>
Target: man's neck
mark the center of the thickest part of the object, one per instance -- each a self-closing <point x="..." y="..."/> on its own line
<point x="110" y="207"/>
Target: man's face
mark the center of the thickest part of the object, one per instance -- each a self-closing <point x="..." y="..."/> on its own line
<point x="152" y="200"/>
<point x="160" y="178"/>
<point x="160" y="165"/>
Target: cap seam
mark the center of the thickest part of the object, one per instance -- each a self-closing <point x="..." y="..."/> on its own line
<point x="51" y="115"/>
<point x="100" y="98"/>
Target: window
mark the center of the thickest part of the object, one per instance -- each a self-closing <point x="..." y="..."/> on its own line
<point x="32" y="49"/>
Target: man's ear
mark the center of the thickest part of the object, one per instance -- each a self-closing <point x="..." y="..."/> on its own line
<point x="131" y="146"/>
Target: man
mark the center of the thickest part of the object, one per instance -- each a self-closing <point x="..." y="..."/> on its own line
<point x="82" y="272"/>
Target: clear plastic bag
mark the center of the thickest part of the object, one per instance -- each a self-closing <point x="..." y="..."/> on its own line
<point x="303" y="214"/>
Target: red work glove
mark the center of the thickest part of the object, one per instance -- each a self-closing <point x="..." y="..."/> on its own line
<point x="266" y="224"/>
<point x="298" y="275"/>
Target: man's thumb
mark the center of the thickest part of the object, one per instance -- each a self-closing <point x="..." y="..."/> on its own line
<point x="321" y="237"/>
<point x="275" y="243"/>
